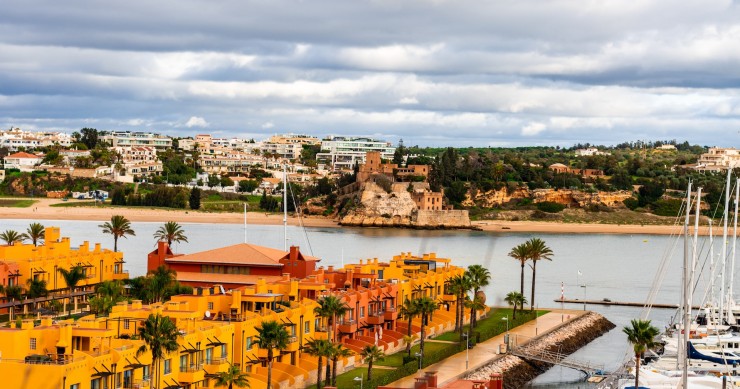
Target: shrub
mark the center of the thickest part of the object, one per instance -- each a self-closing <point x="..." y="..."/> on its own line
<point x="631" y="203"/>
<point x="550" y="207"/>
<point x="667" y="207"/>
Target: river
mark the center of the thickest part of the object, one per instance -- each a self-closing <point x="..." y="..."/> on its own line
<point x="618" y="267"/>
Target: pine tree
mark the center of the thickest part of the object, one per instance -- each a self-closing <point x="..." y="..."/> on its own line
<point x="195" y="198"/>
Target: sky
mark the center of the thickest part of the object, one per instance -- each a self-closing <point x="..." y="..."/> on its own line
<point x="461" y="73"/>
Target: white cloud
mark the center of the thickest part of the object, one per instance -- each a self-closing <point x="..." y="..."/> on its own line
<point x="268" y="125"/>
<point x="408" y="101"/>
<point x="533" y="129"/>
<point x="196" y="121"/>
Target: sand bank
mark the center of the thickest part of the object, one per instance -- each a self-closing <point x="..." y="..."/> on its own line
<point x="42" y="210"/>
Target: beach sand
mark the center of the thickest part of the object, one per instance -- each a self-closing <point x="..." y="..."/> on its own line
<point x="42" y="210"/>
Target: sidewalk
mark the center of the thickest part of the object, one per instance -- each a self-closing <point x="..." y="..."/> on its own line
<point x="485" y="352"/>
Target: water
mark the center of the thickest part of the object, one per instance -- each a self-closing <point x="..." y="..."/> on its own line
<point x="618" y="267"/>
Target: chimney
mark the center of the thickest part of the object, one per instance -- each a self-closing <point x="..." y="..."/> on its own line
<point x="431" y="377"/>
<point x="331" y="268"/>
<point x="496" y="381"/>
<point x="294" y="253"/>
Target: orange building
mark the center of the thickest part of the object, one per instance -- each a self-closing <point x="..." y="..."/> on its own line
<point x="374" y="165"/>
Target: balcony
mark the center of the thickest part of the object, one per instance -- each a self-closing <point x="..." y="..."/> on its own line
<point x="347" y="326"/>
<point x="390" y="314"/>
<point x="191" y="374"/>
<point x="376" y="318"/>
<point x="141" y="384"/>
<point x="321" y="334"/>
<point x="120" y="275"/>
<point x="293" y="344"/>
<point x="216" y="365"/>
<point x="451" y="298"/>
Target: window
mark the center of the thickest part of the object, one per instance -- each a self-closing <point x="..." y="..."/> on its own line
<point x="126" y="324"/>
<point x="249" y="343"/>
<point x="306" y="327"/>
<point x="167" y="366"/>
<point x="183" y="363"/>
<point x="317" y="324"/>
<point x="33" y="344"/>
<point x="95" y="384"/>
<point x="74" y="386"/>
<point x="210" y="305"/>
<point x="362" y="311"/>
<point x="209" y="355"/>
<point x="224" y="351"/>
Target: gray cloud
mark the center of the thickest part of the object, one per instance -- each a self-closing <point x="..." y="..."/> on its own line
<point x="431" y="72"/>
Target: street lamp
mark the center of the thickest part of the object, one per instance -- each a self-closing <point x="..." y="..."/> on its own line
<point x="360" y="378"/>
<point x="467" y="349"/>
<point x="418" y="356"/>
<point x="584" y="296"/>
<point x="506" y="337"/>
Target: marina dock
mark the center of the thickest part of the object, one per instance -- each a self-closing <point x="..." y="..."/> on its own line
<point x="618" y="303"/>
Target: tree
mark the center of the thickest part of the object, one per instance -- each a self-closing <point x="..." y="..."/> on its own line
<point x="271" y="336"/>
<point x="194" y="200"/>
<point x="109" y="293"/>
<point x="330" y="307"/>
<point x="427" y="306"/>
<point x="409" y="309"/>
<point x="162" y="279"/>
<point x="641" y="335"/>
<point x="171" y="232"/>
<point x="89" y="137"/>
<point x="319" y="348"/>
<point x="521" y="254"/>
<point x="537" y="251"/>
<point x="36" y="288"/>
<point x="159" y="334"/>
<point x="72" y="277"/>
<point x="118" y="226"/>
<point x="248" y="185"/>
<point x="35" y="233"/>
<point x="226" y="181"/>
<point x="515" y="299"/>
<point x="371" y="354"/>
<point x="338" y="351"/>
<point x="479" y="277"/>
<point x="11" y="237"/>
<point x="232" y="377"/>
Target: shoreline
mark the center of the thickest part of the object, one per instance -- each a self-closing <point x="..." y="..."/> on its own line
<point x="42" y="210"/>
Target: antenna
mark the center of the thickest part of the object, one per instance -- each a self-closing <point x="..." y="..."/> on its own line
<point x="245" y="222"/>
<point x="285" y="206"/>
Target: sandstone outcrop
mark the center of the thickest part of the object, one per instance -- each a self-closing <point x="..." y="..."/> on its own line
<point x="567" y="197"/>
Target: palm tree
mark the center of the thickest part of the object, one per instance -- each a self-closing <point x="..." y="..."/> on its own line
<point x="515" y="299"/>
<point x="109" y="293"/>
<point x="72" y="277"/>
<point x="427" y="306"/>
<point x="35" y="232"/>
<point x="641" y="335"/>
<point x="319" y="348"/>
<point x="409" y="309"/>
<point x="232" y="376"/>
<point x="479" y="277"/>
<point x="271" y="336"/>
<point x="331" y="307"/>
<point x="338" y="351"/>
<point x="13" y="293"/>
<point x="537" y="251"/>
<point x="11" y="237"/>
<point x="171" y="232"/>
<point x="371" y="354"/>
<point x="454" y="286"/>
<point x="161" y="278"/>
<point x="159" y="334"/>
<point x="460" y="285"/>
<point x="118" y="226"/>
<point x="521" y="254"/>
<point x="36" y="289"/>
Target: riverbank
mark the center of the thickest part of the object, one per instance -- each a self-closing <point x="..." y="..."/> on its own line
<point x="43" y="210"/>
<point x="565" y="339"/>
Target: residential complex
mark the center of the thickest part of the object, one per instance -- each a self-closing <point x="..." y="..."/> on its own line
<point x="15" y="138"/>
<point x="129" y="138"/>
<point x="22" y="160"/>
<point x="344" y="153"/>
<point x="719" y="159"/>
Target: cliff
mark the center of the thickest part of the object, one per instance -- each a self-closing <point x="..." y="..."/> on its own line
<point x="567" y="197"/>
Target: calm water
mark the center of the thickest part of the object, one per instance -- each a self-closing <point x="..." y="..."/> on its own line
<point x="619" y="267"/>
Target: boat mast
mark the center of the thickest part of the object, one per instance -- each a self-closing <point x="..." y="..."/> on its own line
<point x="694" y="254"/>
<point x="285" y="207"/>
<point x="684" y="335"/>
<point x="731" y="300"/>
<point x="711" y="274"/>
<point x="724" y="248"/>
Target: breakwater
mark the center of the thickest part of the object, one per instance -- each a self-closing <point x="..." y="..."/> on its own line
<point x="565" y="339"/>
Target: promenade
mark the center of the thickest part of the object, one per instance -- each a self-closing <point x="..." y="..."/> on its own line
<point x="453" y="367"/>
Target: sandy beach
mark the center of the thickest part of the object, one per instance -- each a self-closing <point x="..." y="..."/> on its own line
<point x="42" y="210"/>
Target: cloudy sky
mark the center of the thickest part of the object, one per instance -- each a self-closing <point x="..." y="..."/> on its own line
<point x="436" y="72"/>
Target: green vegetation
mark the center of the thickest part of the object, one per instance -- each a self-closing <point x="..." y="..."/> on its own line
<point x="16" y="203"/>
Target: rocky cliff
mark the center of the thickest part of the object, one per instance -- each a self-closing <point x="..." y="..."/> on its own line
<point x="567" y="197"/>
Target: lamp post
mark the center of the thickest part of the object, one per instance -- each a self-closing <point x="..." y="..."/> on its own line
<point x="467" y="349"/>
<point x="506" y="337"/>
<point x="418" y="356"/>
<point x="360" y="378"/>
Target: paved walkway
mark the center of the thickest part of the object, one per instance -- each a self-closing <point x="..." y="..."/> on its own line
<point x="485" y="352"/>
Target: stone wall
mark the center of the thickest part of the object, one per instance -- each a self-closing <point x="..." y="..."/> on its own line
<point x="442" y="219"/>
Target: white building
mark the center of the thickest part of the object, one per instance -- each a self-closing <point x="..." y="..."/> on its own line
<point x="344" y="153"/>
<point x="26" y="162"/>
<point x="134" y="155"/>
<point x="718" y="159"/>
<point x="589" y="152"/>
<point x="132" y="139"/>
<point x="15" y="138"/>
<point x="294" y="138"/>
<point x="282" y="150"/>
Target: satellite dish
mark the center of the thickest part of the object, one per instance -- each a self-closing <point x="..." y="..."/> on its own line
<point x="208" y="313"/>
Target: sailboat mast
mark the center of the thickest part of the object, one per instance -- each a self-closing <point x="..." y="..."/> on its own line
<point x="245" y="222"/>
<point x="694" y="253"/>
<point x="711" y="271"/>
<point x="285" y="207"/>
<point x="724" y="248"/>
<point x="731" y="300"/>
<point x="684" y="335"/>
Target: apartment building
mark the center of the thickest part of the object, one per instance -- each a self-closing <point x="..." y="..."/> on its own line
<point x="15" y="138"/>
<point x="23" y="161"/>
<point x="343" y="153"/>
<point x="719" y="159"/>
<point x="137" y="139"/>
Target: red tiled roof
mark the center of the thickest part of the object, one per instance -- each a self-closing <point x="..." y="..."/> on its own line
<point x="239" y="254"/>
<point x="22" y="154"/>
<point x="214" y="278"/>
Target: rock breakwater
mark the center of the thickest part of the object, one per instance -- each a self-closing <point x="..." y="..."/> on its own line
<point x="565" y="339"/>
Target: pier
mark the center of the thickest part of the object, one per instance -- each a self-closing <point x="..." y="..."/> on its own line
<point x="618" y="303"/>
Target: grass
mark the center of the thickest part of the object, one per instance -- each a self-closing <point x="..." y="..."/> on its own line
<point x="396" y="360"/>
<point x="490" y="323"/>
<point x="16" y="203"/>
<point x="347" y="379"/>
<point x="72" y="204"/>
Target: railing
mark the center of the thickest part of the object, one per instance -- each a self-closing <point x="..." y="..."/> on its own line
<point x="140" y="384"/>
<point x="292" y="339"/>
<point x="192" y="368"/>
<point x="217" y="361"/>
<point x="48" y="359"/>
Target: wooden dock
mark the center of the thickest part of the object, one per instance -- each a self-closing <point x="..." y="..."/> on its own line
<point x="618" y="303"/>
